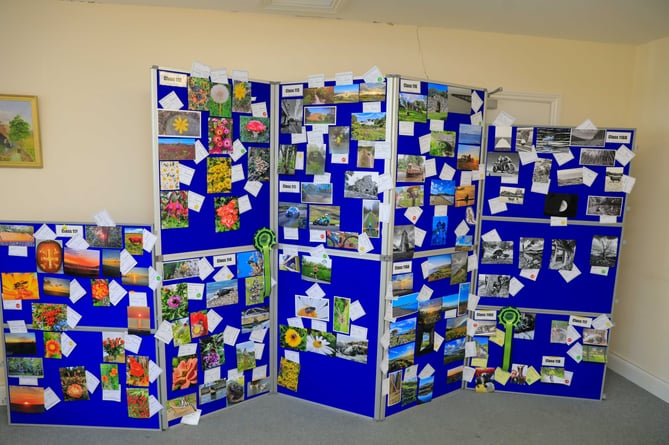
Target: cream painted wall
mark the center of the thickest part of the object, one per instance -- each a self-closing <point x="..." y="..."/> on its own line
<point x="643" y="290"/>
<point x="89" y="66"/>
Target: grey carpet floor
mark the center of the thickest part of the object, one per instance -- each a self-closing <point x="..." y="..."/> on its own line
<point x="629" y="415"/>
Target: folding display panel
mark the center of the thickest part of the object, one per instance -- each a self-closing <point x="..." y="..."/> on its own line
<point x="435" y="202"/>
<point x="211" y="160"/>
<point x="219" y="321"/>
<point x="79" y="290"/>
<point x="551" y="233"/>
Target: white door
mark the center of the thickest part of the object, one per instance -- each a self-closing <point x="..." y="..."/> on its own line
<point x="532" y="109"/>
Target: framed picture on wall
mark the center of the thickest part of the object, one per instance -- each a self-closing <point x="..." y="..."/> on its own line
<point x="19" y="132"/>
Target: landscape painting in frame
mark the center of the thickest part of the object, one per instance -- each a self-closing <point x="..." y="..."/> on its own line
<point x="19" y="132"/>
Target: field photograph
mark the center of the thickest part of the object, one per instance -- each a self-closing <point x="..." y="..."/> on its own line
<point x="368" y="126"/>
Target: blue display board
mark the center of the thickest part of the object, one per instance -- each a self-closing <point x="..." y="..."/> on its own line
<point x="548" y="347"/>
<point x="78" y="307"/>
<point x="211" y="161"/>
<point x="335" y="368"/>
<point x="436" y="199"/>
<point x="211" y="366"/>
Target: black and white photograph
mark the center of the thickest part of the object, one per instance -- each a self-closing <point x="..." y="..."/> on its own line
<point x="361" y="185"/>
<point x="542" y="170"/>
<point x="563" y="252"/>
<point x="524" y="138"/>
<point x="553" y="140"/>
<point x="485" y="327"/>
<point x="604" y="251"/>
<point x="497" y="252"/>
<point x="512" y="195"/>
<point x="569" y="176"/>
<point x="503" y="138"/>
<point x="404" y="242"/>
<point x="502" y="164"/>
<point x="604" y="206"/>
<point x="598" y="157"/>
<point x="291" y="116"/>
<point x="459" y="100"/>
<point x="587" y="137"/>
<point x="564" y="205"/>
<point x="614" y="179"/>
<point x="494" y="285"/>
<point x="525" y="328"/>
<point x="530" y="253"/>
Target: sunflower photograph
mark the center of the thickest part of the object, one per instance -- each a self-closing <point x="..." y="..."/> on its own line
<point x="293" y="337"/>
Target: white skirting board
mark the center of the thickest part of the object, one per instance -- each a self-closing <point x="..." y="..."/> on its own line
<point x="638" y="376"/>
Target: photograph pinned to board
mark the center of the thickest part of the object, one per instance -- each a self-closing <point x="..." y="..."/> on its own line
<point x="361" y="184"/>
<point x="442" y="192"/>
<point x="220" y="135"/>
<point x="255" y="318"/>
<point x="28" y="367"/>
<point x="365" y="157"/>
<point x="604" y="206"/>
<point x="320" y="342"/>
<point x="174" y="270"/>
<point x="18" y="343"/>
<point x="220" y="293"/>
<point x="442" y="143"/>
<point x="49" y="316"/>
<point x="459" y="100"/>
<point x="404" y="242"/>
<point x="524" y="138"/>
<point x="181" y="331"/>
<point x="480" y="359"/>
<point x="401" y="357"/>
<point x="597" y="157"/>
<point x="26" y="399"/>
<point x="613" y="181"/>
<point x="595" y="354"/>
<point x="402" y="331"/>
<point x="346" y="94"/>
<point x="49" y="256"/>
<point x="458" y="267"/>
<point x="394" y="387"/>
<point x="588" y="137"/>
<point x="212" y="391"/>
<point x="456" y="327"/>
<point x="169" y="175"/>
<point x="176" y="149"/>
<point x="550" y="374"/>
<point x="199" y="324"/>
<point x="561" y="205"/>
<point x="429" y="313"/>
<point x="553" y="140"/>
<point x="410" y="168"/>
<point x="454" y="375"/>
<point x="412" y="107"/>
<point x="542" y="170"/>
<point x="449" y="303"/>
<point x="318" y="270"/>
<point x="352" y="348"/>
<point x="402" y="284"/>
<point x="241" y="96"/>
<point x="258" y="164"/>
<point x="255" y="287"/>
<point x="425" y="389"/>
<point x="315" y="159"/>
<point x="497" y="252"/>
<point x="289" y="374"/>
<point x="470" y="134"/>
<point x="518" y="374"/>
<point x="503" y="164"/>
<point x="468" y="157"/>
<point x="563" y="252"/>
<point x="409" y="196"/>
<point x="293" y="214"/>
<point x="370" y="126"/>
<point x="235" y="390"/>
<point x="409" y="389"/>
<point x="287" y="157"/>
<point x="199" y="89"/>
<point x="181" y="406"/>
<point x="319" y="95"/>
<point x="249" y="264"/>
<point x="530" y="253"/>
<point x="174" y="209"/>
<point x="339" y="138"/>
<point x="219" y="174"/>
<point x="17" y="235"/>
<point x="405" y="305"/>
<point x="184" y="372"/>
<point x="56" y="287"/>
<point x="341" y="240"/>
<point x="569" y="176"/>
<point x="437" y="267"/>
<point x="454" y="350"/>
<point x="604" y="251"/>
<point x="19" y="132"/>
<point x="526" y="327"/>
<point x="320" y="115"/>
<point x="289" y="262"/>
<point x="372" y="92"/>
<point x="254" y="129"/>
<point x="439" y="231"/>
<point x="503" y="138"/>
<point x="316" y="193"/>
<point x="73" y="383"/>
<point x="494" y="285"/>
<point x="292" y="115"/>
<point x="596" y="337"/>
<point x="341" y="317"/>
<point x="177" y="123"/>
<point x="316" y="308"/>
<point x="512" y="195"/>
<point x="465" y="195"/>
<point x="559" y="331"/>
<point x="246" y="355"/>
<point x="292" y="337"/>
<point x="437" y="101"/>
<point x="226" y="214"/>
<point x="324" y="217"/>
<point x="220" y="100"/>
<point x="257" y="387"/>
<point x="370" y="217"/>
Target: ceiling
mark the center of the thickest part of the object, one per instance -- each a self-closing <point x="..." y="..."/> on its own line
<point x="610" y="21"/>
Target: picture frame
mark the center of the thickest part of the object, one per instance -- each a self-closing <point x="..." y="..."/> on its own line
<point x="19" y="132"/>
